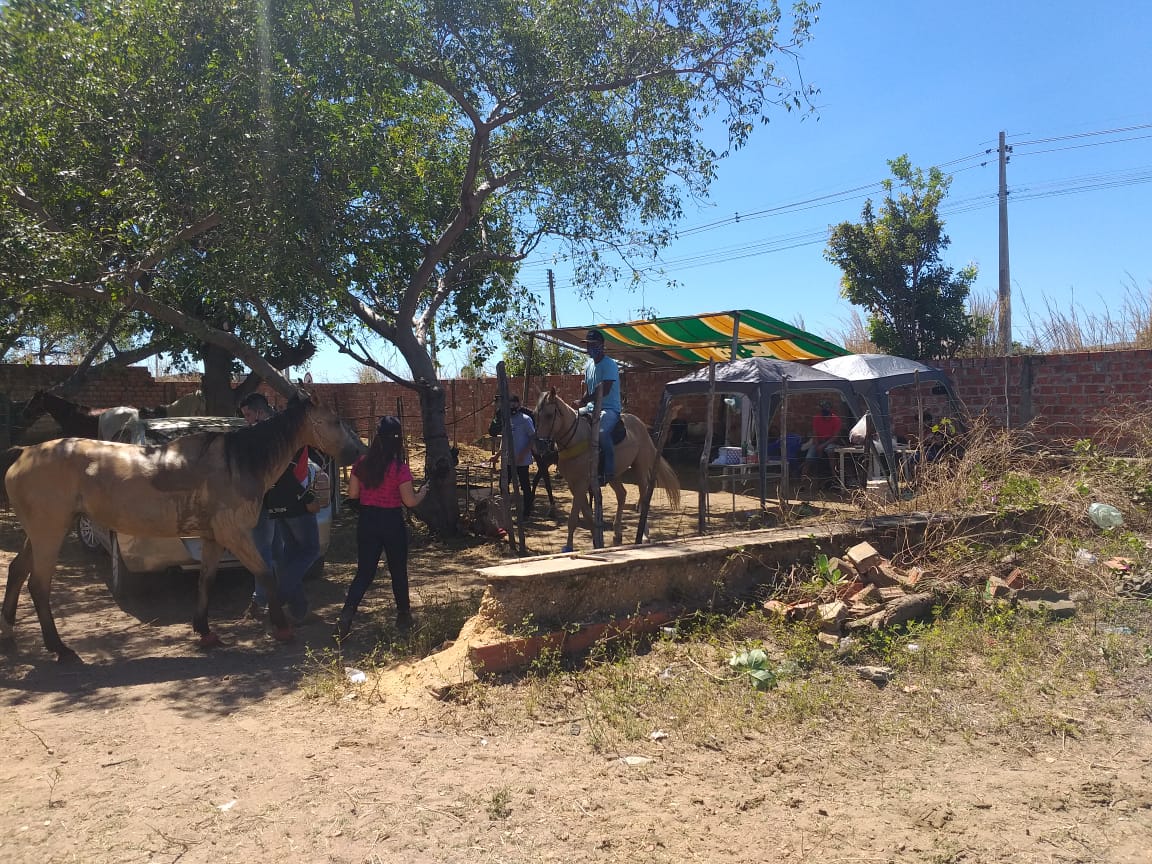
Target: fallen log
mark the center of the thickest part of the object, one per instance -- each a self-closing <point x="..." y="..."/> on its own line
<point x="896" y="611"/>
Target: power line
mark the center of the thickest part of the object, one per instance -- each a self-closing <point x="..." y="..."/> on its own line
<point x="765" y="246"/>
<point x="1092" y="134"/>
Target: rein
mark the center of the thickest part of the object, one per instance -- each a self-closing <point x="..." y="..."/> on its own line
<point x="568" y="450"/>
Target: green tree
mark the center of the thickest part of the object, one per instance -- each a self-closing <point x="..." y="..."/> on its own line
<point x="138" y="172"/>
<point x="547" y="359"/>
<point x="892" y="267"/>
<point x="552" y="118"/>
<point x="233" y="167"/>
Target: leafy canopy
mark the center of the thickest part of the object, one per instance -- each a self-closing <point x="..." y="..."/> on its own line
<point x="892" y="266"/>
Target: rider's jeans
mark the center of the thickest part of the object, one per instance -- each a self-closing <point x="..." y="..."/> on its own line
<point x="608" y="421"/>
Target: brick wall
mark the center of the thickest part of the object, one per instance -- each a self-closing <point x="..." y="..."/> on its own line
<point x="1059" y="395"/>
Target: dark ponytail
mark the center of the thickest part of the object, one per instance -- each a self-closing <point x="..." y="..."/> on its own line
<point x="385" y="449"/>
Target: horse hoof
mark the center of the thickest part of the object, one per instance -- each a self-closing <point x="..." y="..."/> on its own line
<point x="210" y="640"/>
<point x="68" y="657"/>
<point x="283" y="634"/>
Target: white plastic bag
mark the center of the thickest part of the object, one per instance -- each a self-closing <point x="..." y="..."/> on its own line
<point x="1105" y="515"/>
<point x="859" y="431"/>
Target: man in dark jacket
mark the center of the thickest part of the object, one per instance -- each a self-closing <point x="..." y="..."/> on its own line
<point x="287" y="534"/>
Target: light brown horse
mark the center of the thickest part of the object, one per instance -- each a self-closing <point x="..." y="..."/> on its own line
<point x="571" y="433"/>
<point x="208" y="485"/>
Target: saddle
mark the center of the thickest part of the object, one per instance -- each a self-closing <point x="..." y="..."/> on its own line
<point x="619" y="431"/>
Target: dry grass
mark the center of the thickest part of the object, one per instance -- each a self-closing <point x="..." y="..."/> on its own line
<point x="1073" y="328"/>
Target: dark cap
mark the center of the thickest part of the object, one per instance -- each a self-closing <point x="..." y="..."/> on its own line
<point x="826" y="403"/>
<point x="594" y="336"/>
<point x="389" y="427"/>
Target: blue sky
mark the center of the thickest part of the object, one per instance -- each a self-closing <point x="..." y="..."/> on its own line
<point x="937" y="81"/>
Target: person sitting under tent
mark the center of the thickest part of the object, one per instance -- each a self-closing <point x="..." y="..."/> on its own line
<point x="826" y="428"/>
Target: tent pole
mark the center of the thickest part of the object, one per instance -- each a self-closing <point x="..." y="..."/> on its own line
<point x="785" y="462"/>
<point x="735" y="335"/>
<point x="702" y="498"/>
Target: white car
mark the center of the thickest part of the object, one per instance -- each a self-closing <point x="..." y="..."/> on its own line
<point x="132" y="556"/>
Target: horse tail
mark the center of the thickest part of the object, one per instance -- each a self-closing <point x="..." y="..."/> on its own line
<point x="667" y="480"/>
<point x="7" y="460"/>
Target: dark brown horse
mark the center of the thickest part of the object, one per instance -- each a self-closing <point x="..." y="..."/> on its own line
<point x="208" y="485"/>
<point x="77" y="421"/>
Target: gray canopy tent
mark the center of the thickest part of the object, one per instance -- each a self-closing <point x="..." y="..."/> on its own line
<point x="765" y="382"/>
<point x="872" y="377"/>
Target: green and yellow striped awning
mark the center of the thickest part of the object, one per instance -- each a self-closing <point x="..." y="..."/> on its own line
<point x="696" y="339"/>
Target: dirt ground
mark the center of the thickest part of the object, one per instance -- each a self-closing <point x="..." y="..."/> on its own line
<point x="157" y="752"/>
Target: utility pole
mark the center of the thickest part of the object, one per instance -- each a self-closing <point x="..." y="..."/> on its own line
<point x="555" y="351"/>
<point x="552" y="296"/>
<point x="1005" y="293"/>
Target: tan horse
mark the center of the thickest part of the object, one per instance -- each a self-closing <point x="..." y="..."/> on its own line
<point x="208" y="485"/>
<point x="189" y="405"/>
<point x="571" y="433"/>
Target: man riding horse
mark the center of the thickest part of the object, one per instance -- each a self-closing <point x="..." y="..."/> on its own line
<point x="601" y="374"/>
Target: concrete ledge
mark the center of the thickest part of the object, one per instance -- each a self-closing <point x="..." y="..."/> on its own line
<point x="553" y="591"/>
<point x="635" y="590"/>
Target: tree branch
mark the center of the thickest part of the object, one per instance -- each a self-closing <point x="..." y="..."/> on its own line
<point x="194" y="230"/>
<point x="136" y="300"/>
<point x="365" y="359"/>
<point x="35" y="209"/>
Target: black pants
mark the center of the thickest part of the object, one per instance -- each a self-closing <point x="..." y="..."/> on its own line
<point x="542" y="465"/>
<point x="380" y="530"/>
<point x="527" y="493"/>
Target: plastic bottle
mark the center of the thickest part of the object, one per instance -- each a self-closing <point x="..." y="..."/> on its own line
<point x="1105" y="515"/>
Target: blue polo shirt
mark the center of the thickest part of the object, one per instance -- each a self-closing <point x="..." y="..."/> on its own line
<point x="596" y="374"/>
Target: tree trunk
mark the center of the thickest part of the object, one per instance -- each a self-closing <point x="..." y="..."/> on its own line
<point x="217" y="381"/>
<point x="440" y="509"/>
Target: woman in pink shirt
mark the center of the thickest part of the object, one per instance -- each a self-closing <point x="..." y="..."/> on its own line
<point x="381" y="484"/>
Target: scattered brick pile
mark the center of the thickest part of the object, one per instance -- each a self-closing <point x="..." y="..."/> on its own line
<point x="875" y="593"/>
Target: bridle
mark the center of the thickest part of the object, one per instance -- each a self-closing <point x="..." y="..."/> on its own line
<point x="555" y="443"/>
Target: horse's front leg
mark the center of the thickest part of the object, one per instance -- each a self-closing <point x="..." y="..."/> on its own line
<point x="573" y="517"/>
<point x="579" y="506"/>
<point x="18" y="571"/>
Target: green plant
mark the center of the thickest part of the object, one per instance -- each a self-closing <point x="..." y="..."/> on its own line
<point x="826" y="572"/>
<point x="756" y="665"/>
<point x="1017" y="491"/>
<point x="499" y="805"/>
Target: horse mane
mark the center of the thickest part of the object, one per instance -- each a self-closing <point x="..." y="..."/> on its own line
<point x="257" y="449"/>
<point x="550" y="395"/>
<point x="75" y="419"/>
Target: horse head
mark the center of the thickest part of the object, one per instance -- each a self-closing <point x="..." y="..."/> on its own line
<point x="329" y="433"/>
<point x="556" y="422"/>
<point x="34" y="408"/>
